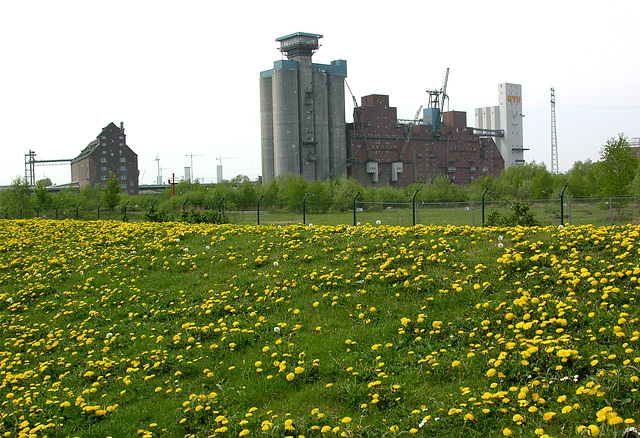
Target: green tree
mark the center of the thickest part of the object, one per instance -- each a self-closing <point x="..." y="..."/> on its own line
<point x="90" y="196"/>
<point x="617" y="167"/>
<point x="43" y="197"/>
<point x="580" y="179"/>
<point x="111" y="193"/>
<point x="17" y="195"/>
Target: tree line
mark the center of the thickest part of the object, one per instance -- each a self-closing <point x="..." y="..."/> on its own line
<point x="615" y="174"/>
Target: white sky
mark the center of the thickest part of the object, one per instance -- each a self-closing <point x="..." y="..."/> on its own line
<point x="183" y="76"/>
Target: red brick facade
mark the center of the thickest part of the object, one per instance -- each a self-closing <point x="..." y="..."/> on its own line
<point x="424" y="155"/>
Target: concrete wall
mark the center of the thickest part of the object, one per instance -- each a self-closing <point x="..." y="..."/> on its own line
<point x="266" y="129"/>
<point x="286" y="125"/>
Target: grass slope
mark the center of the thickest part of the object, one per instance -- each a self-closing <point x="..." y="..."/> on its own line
<point x="170" y="330"/>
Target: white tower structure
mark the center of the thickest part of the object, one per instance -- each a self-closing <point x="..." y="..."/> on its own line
<point x="507" y="117"/>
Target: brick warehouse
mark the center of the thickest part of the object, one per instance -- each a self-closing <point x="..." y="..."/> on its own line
<point x="107" y="155"/>
<point x="399" y="153"/>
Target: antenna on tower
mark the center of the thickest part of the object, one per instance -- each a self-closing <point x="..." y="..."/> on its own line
<point x="554" y="137"/>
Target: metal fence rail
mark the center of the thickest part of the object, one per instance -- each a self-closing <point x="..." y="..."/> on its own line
<point x="555" y="211"/>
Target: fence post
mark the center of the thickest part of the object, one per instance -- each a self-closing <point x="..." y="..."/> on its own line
<point x="483" y="193"/>
<point x="184" y="203"/>
<point x="473" y="213"/>
<point x="21" y="212"/>
<point x="99" y="205"/>
<point x="57" y="207"/>
<point x="413" y="203"/>
<point x="562" y="205"/>
<point x="37" y="211"/>
<point x="124" y="218"/>
<point x="610" y="211"/>
<point x="304" y="206"/>
<point x="355" y="221"/>
<point x="153" y="204"/>
<point x="77" y="211"/>
<point x="220" y="207"/>
<point x="258" y="208"/>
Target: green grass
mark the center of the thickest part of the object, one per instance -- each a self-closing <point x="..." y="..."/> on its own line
<point x="173" y="330"/>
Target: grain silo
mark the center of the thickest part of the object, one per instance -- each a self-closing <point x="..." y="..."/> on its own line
<point x="302" y="113"/>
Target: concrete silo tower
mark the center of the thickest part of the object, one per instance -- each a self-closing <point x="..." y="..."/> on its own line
<point x="302" y="113"/>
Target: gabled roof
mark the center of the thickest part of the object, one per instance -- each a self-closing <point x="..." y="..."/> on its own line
<point x="88" y="150"/>
<point x="110" y="127"/>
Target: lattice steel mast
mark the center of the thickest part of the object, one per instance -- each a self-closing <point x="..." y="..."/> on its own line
<point x="554" y="136"/>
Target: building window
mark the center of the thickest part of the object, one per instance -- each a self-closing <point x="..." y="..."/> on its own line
<point x="104" y="144"/>
<point x="120" y="152"/>
<point x="123" y="177"/>
<point x="103" y="168"/>
<point x="121" y="137"/>
<point x="121" y="144"/>
<point x="123" y="185"/>
<point x="104" y="152"/>
<point x="103" y="159"/>
<point x="123" y="159"/>
<point x="123" y="168"/>
<point x="105" y="177"/>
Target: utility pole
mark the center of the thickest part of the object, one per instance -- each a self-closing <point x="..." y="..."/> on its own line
<point x="173" y="183"/>
<point x="554" y="138"/>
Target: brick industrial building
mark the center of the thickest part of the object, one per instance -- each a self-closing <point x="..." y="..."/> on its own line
<point x="385" y="151"/>
<point x="107" y="155"/>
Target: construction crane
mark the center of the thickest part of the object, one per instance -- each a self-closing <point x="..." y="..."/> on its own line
<point x="437" y="98"/>
<point x="410" y="125"/>
<point x="191" y="168"/>
<point x="219" y="168"/>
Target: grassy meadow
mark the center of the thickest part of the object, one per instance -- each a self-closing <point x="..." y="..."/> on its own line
<point x="174" y="330"/>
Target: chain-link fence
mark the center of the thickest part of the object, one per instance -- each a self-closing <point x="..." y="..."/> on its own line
<point x="311" y="210"/>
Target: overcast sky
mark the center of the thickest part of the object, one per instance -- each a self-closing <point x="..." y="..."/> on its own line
<point x="183" y="76"/>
